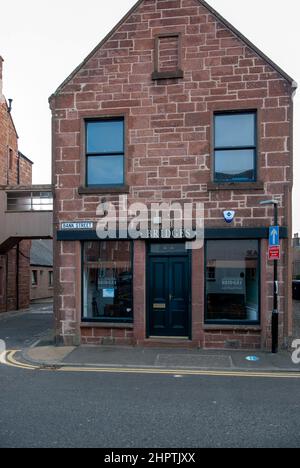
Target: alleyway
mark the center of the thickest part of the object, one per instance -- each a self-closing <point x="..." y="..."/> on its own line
<point x="21" y="331"/>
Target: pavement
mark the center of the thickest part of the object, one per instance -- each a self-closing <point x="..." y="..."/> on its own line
<point x="158" y="359"/>
<point x="37" y="350"/>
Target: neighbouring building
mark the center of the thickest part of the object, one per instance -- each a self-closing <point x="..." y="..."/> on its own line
<point x="174" y="105"/>
<point x="15" y="170"/>
<point x="41" y="264"/>
<point x="296" y="257"/>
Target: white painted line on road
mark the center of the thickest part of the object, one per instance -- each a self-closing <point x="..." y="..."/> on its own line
<point x="35" y="344"/>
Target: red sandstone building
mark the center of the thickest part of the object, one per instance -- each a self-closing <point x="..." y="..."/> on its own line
<point x="15" y="170"/>
<point x="174" y="105"/>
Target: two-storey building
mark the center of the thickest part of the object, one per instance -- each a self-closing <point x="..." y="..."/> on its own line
<point x="173" y="106"/>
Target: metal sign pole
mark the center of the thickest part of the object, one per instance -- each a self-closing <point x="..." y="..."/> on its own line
<point x="274" y="254"/>
<point x="275" y="321"/>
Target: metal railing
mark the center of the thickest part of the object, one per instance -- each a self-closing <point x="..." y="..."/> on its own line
<point x="28" y="201"/>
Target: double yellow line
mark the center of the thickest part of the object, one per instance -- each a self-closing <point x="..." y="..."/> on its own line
<point x="11" y="361"/>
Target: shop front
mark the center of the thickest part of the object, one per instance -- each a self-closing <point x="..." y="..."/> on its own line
<point x="145" y="292"/>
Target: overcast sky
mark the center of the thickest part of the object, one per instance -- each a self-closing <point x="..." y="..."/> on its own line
<point x="42" y="41"/>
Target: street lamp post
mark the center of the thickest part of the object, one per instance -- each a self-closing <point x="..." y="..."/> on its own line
<point x="275" y="312"/>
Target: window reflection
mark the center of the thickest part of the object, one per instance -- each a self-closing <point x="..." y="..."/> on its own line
<point x="108" y="169"/>
<point x="234" y="164"/>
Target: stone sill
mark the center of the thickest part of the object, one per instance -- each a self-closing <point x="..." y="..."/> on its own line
<point x="176" y="74"/>
<point x="28" y="212"/>
<point x="214" y="186"/>
<point x="103" y="190"/>
<point x="221" y="327"/>
<point x="106" y="325"/>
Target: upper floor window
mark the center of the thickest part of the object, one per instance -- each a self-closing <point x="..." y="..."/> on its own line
<point x="105" y="152"/>
<point x="34" y="278"/>
<point x="235" y="147"/>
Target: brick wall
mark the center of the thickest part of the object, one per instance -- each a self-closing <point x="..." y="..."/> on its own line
<point x="169" y="123"/>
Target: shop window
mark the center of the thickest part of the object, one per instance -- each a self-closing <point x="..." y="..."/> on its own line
<point x="232" y="281"/>
<point x="168" y="248"/>
<point x="34" y="278"/>
<point x="235" y="147"/>
<point x="105" y="153"/>
<point x="107" y="281"/>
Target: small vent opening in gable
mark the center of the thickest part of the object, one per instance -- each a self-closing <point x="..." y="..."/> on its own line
<point x="167" y="57"/>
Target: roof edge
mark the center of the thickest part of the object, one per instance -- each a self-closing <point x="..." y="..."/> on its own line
<point x="102" y="42"/>
<point x="21" y="155"/>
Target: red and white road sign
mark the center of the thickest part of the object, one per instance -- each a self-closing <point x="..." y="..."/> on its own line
<point x="274" y="253"/>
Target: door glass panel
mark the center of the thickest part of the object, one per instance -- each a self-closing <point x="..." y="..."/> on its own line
<point x="176" y="247"/>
